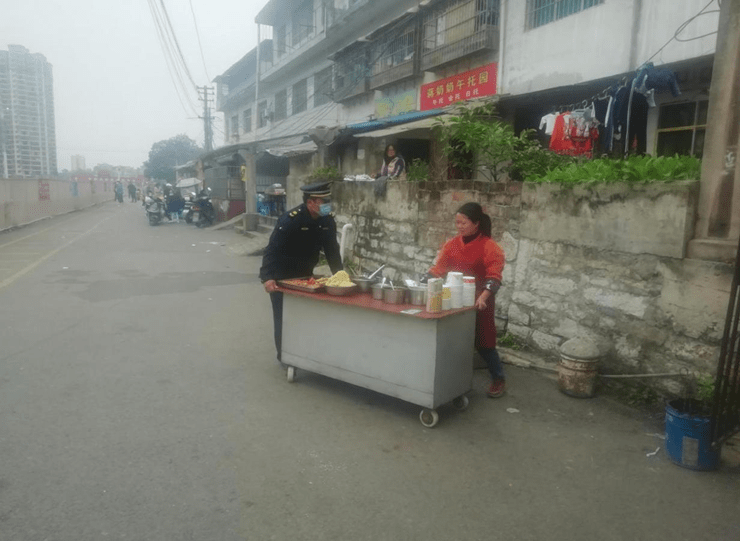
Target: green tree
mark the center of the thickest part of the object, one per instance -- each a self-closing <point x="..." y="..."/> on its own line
<point x="166" y="154"/>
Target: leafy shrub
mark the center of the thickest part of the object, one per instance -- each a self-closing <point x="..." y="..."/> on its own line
<point x="326" y="173"/>
<point x="417" y="170"/>
<point x="633" y="169"/>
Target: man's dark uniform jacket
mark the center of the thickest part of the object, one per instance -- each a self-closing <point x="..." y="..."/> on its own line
<point x="294" y="246"/>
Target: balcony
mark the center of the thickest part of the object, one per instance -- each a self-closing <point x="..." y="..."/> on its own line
<point x="392" y="74"/>
<point x="459" y="28"/>
<point x="241" y="95"/>
<point x="486" y="39"/>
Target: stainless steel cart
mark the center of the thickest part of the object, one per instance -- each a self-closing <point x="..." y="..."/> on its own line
<point x="423" y="358"/>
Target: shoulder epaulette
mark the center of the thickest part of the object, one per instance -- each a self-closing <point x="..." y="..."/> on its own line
<point x="293" y="214"/>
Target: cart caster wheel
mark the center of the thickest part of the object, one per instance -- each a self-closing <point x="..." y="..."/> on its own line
<point x="429" y="418"/>
<point x="461" y="403"/>
<point x="291" y="374"/>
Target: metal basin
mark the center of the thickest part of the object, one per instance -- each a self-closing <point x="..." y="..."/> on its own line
<point x="394" y="296"/>
<point x="377" y="291"/>
<point x="364" y="283"/>
<point x="338" y="291"/>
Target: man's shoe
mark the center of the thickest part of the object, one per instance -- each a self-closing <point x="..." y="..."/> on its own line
<point x="497" y="388"/>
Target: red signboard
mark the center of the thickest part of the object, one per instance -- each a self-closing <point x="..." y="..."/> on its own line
<point x="463" y="86"/>
<point x="44" y="193"/>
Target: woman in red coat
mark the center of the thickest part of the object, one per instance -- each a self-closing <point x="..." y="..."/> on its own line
<point x="474" y="253"/>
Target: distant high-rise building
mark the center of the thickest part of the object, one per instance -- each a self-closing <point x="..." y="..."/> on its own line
<point x="27" y="134"/>
<point x="78" y="163"/>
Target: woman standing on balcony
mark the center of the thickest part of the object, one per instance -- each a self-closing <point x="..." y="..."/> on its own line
<point x="393" y="165"/>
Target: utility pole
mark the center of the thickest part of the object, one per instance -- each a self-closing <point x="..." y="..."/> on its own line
<point x="207" y="129"/>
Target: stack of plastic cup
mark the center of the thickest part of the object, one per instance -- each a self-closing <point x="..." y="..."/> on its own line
<point x="455" y="283"/>
<point x="468" y="290"/>
<point x="446" y="297"/>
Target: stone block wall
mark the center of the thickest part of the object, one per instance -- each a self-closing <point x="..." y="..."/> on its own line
<point x="605" y="262"/>
<point x="405" y="228"/>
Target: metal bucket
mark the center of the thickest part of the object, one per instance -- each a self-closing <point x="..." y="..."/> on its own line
<point x="577" y="377"/>
<point x="377" y="291"/>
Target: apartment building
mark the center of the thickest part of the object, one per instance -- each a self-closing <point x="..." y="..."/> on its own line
<point x="27" y="132"/>
<point x="377" y="72"/>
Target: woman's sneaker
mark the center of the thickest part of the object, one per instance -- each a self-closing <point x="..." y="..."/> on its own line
<point x="497" y="388"/>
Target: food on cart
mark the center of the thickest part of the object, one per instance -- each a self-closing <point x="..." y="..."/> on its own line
<point x="303" y="284"/>
<point x="340" y="279"/>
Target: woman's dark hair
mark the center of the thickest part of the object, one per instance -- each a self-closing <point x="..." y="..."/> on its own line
<point x="386" y="158"/>
<point x="476" y="215"/>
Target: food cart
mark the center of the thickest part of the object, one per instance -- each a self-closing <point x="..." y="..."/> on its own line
<point x="399" y="350"/>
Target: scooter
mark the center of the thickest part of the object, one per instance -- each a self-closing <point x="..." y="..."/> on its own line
<point x="188" y="210"/>
<point x="155" y="209"/>
<point x="204" y="214"/>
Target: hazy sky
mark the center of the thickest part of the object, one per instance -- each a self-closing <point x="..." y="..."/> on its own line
<point x="113" y="93"/>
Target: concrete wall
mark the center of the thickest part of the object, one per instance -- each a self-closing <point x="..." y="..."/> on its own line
<point x="604" y="262"/>
<point x="25" y="201"/>
<point x="612" y="38"/>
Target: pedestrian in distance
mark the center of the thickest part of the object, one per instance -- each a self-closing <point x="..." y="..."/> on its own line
<point x="474" y="253"/>
<point x="118" y="190"/>
<point x="294" y="246"/>
<point x="132" y="192"/>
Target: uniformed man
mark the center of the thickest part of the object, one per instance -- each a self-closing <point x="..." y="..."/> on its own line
<point x="294" y="246"/>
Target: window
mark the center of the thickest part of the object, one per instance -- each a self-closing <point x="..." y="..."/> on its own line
<point x="300" y="96"/>
<point x="262" y="114"/>
<point x="247" y="120"/>
<point x="281" y="104"/>
<point x="397" y="51"/>
<point x="541" y="12"/>
<point x="234" y="126"/>
<point x="280" y="41"/>
<point x="681" y="128"/>
<point x="322" y="89"/>
<point x="302" y="22"/>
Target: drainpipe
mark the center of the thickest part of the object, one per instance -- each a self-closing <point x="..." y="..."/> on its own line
<point x="503" y="11"/>
<point x="345" y="228"/>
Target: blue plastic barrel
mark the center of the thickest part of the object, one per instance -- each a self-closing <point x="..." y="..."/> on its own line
<point x="688" y="437"/>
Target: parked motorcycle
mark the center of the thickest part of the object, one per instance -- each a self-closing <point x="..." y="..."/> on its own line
<point x="155" y="207"/>
<point x="204" y="214"/>
<point x="188" y="210"/>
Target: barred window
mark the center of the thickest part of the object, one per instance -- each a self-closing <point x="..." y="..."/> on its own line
<point x="541" y="12"/>
<point x="681" y="128"/>
<point x="247" y="120"/>
<point x="262" y="114"/>
<point x="322" y="87"/>
<point x="300" y="96"/>
<point x="281" y="105"/>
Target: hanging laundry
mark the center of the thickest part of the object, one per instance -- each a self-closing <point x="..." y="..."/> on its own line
<point x="547" y="123"/>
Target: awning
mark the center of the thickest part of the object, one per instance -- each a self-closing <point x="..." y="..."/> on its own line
<point x="188" y="182"/>
<point x="423" y="124"/>
<point x="387" y="122"/>
<point x="294" y="150"/>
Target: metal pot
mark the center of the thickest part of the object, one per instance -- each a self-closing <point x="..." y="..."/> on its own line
<point x="394" y="296"/>
<point x="363" y="283"/>
<point x="377" y="291"/>
<point x="418" y="295"/>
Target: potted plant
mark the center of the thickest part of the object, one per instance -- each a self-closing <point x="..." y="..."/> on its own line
<point x="688" y="427"/>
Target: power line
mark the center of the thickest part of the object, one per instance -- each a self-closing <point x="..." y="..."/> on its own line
<point x="173" y="55"/>
<point x="200" y="46"/>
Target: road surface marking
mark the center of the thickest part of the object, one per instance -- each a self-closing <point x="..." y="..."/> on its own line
<point x="31" y="235"/>
<point x="36" y="263"/>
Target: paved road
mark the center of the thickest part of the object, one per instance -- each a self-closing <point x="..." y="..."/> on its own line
<point x="140" y="400"/>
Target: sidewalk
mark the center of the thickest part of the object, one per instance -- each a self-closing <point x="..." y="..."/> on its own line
<point x="651" y="416"/>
